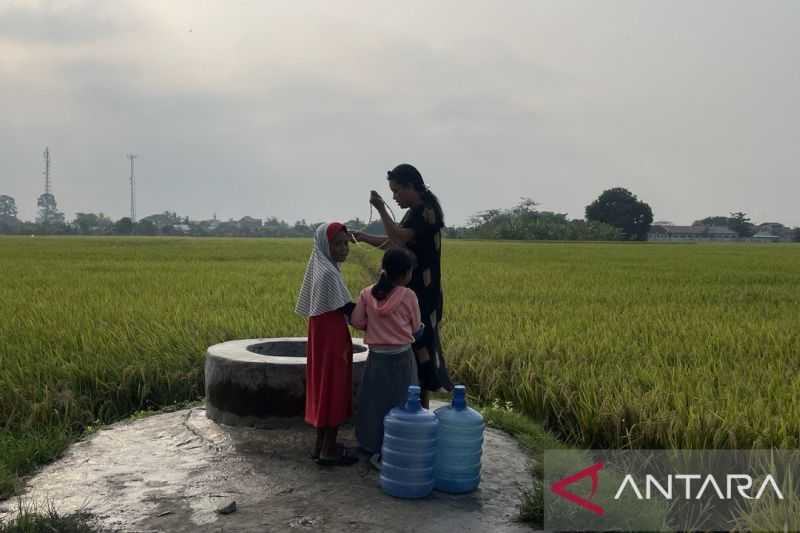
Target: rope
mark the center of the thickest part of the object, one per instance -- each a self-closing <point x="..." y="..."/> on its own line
<point x="371" y="207"/>
<point x="387" y="207"/>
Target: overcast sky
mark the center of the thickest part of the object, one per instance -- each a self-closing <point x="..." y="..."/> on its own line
<point x="297" y="109"/>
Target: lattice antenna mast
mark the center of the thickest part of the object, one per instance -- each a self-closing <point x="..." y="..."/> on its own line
<point x="47" y="170"/>
<point x="133" y="188"/>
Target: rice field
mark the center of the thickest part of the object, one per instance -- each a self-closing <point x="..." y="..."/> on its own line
<point x="686" y="346"/>
<point x="610" y="344"/>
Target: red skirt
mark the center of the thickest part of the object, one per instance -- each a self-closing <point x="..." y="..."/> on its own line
<point x="329" y="370"/>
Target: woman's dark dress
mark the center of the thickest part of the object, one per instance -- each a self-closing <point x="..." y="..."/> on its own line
<point x="426" y="282"/>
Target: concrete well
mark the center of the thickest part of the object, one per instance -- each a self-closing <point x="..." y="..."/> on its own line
<point x="253" y="382"/>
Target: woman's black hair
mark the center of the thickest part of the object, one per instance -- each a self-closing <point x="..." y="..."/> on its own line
<point x="396" y="263"/>
<point x="408" y="176"/>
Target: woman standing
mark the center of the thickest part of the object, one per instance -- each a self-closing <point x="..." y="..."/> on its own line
<point x="420" y="231"/>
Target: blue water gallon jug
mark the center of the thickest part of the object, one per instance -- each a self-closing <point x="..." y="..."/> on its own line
<point x="409" y="448"/>
<point x="457" y="468"/>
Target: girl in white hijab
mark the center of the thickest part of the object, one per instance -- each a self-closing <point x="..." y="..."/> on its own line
<point x="326" y="302"/>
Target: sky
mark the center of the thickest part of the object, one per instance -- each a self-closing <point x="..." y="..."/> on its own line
<point x="297" y="109"/>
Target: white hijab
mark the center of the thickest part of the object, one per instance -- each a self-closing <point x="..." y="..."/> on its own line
<point x="323" y="287"/>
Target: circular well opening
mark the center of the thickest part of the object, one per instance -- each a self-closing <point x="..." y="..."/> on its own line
<point x="289" y="348"/>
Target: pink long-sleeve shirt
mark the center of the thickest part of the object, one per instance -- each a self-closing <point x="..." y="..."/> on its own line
<point x="391" y="321"/>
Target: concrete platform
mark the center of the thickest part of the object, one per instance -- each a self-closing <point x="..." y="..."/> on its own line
<point x="170" y="472"/>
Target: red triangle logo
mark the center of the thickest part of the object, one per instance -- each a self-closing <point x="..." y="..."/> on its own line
<point x="558" y="488"/>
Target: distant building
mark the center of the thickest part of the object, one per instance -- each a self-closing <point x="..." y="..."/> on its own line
<point x="250" y="223"/>
<point x="765" y="236"/>
<point x="691" y="233"/>
<point x="721" y="233"/>
<point x="772" y="227"/>
<point x="776" y="229"/>
<point x="162" y="219"/>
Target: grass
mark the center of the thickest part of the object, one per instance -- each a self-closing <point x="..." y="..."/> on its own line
<point x="33" y="520"/>
<point x="632" y="346"/>
<point x="534" y="439"/>
<point x="96" y="329"/>
<point x="609" y="345"/>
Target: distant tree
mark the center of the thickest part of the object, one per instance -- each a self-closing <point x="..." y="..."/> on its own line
<point x="525" y="222"/>
<point x="104" y="224"/>
<point x="86" y="222"/>
<point x="165" y="221"/>
<point x="355" y="224"/>
<point x="145" y="227"/>
<point x="454" y="232"/>
<point x="8" y="214"/>
<point x="740" y="223"/>
<point x="274" y="228"/>
<point x="713" y="221"/>
<point x="301" y="228"/>
<point x="8" y="206"/>
<point x="581" y="230"/>
<point x="796" y="235"/>
<point x="197" y="228"/>
<point x="123" y="226"/>
<point x="484" y="217"/>
<point x="526" y="205"/>
<point x="50" y="218"/>
<point x="375" y="228"/>
<point x="28" y="228"/>
<point x="93" y="224"/>
<point x="620" y="208"/>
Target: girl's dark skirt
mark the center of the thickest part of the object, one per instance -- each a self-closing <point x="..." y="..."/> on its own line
<point x="384" y="386"/>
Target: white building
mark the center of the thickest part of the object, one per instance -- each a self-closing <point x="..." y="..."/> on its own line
<point x="691" y="233"/>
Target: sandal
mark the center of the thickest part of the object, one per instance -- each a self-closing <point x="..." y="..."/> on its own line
<point x="342" y="459"/>
<point x="375" y="461"/>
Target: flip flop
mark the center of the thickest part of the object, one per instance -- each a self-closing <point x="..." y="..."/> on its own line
<point x="375" y="461"/>
<point x="343" y="459"/>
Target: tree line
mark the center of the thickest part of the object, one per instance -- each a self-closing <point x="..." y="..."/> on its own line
<point x="617" y="214"/>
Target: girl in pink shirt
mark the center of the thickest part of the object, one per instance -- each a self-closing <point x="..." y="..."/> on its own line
<point x="389" y="313"/>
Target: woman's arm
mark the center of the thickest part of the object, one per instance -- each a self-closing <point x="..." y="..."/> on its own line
<point x="395" y="234"/>
<point x="394" y="231"/>
<point x="378" y="241"/>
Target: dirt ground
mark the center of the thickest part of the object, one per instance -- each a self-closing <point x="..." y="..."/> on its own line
<point x="171" y="472"/>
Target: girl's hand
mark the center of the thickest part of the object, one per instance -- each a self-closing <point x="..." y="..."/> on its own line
<point x="375" y="199"/>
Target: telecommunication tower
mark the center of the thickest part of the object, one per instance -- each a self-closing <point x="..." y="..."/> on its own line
<point x="47" y="170"/>
<point x="132" y="157"/>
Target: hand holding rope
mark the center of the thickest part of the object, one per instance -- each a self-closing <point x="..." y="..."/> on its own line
<point x="375" y="200"/>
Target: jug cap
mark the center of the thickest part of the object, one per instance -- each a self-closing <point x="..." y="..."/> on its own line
<point x="459" y="397"/>
<point x="413" y="403"/>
